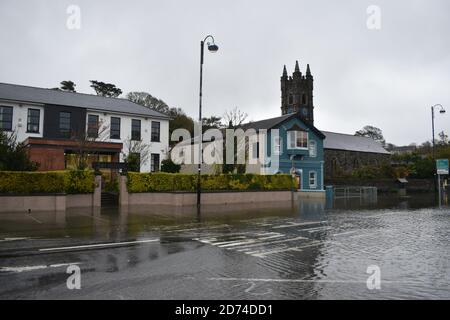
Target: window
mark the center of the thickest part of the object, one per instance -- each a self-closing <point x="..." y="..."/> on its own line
<point x="33" y="120"/>
<point x="155" y="131"/>
<point x="64" y="124"/>
<point x="276" y="145"/>
<point x="303" y="98"/>
<point x="115" y="128"/>
<point x="298" y="139"/>
<point x="291" y="99"/>
<point x="6" y="114"/>
<point x="92" y="126"/>
<point x="312" y="149"/>
<point x="135" y="130"/>
<point x="312" y="179"/>
<point x="154" y="164"/>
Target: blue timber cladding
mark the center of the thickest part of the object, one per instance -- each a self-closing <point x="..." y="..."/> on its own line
<point x="303" y="161"/>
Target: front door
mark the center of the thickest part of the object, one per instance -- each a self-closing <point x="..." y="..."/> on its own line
<point x="298" y="177"/>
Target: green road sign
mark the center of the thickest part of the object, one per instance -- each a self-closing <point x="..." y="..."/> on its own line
<point x="442" y="166"/>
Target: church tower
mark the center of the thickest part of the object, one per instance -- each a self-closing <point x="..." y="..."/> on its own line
<point x="297" y="93"/>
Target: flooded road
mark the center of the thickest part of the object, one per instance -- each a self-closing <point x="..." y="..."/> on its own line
<point x="314" y="250"/>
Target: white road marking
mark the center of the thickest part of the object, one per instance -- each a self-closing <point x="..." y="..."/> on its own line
<point x="245" y="248"/>
<point x="289" y="225"/>
<point x="16" y="239"/>
<point x="318" y="229"/>
<point x="250" y="241"/>
<point x="262" y="254"/>
<point x="33" y="268"/>
<point x="99" y="245"/>
<point x="343" y="233"/>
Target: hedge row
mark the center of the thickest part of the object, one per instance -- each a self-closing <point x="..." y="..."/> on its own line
<point x="21" y="182"/>
<point x="151" y="182"/>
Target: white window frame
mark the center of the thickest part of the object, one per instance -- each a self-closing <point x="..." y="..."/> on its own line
<point x="312" y="185"/>
<point x="312" y="147"/>
<point x="277" y="146"/>
<point x="295" y="134"/>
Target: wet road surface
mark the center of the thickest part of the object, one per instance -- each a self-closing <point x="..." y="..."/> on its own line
<point x="311" y="251"/>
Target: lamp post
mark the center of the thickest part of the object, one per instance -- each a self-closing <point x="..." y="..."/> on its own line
<point x="442" y="110"/>
<point x="212" y="47"/>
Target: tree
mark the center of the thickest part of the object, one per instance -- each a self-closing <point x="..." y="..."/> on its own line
<point x="167" y="165"/>
<point x="13" y="155"/>
<point x="68" y="86"/>
<point x="234" y="118"/>
<point x="179" y="120"/>
<point x="105" y="89"/>
<point x="85" y="143"/>
<point x="147" y="100"/>
<point x="373" y="133"/>
<point x="443" y="139"/>
<point x="212" y="122"/>
<point x="137" y="153"/>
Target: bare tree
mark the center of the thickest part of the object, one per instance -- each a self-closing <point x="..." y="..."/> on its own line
<point x="135" y="153"/>
<point x="85" y="142"/>
<point x="234" y="118"/>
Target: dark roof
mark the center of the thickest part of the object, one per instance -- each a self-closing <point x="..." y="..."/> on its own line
<point x="16" y="92"/>
<point x="348" y="142"/>
<point x="274" y="122"/>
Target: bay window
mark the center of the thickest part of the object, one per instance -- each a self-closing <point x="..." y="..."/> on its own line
<point x="298" y="139"/>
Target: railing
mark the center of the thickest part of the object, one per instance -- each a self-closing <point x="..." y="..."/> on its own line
<point x="355" y="192"/>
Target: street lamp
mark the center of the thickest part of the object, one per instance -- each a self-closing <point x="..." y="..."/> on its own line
<point x="441" y="111"/>
<point x="212" y="47"/>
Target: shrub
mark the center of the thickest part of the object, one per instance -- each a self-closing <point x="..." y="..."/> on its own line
<point x="20" y="182"/>
<point x="79" y="181"/>
<point x="167" y="165"/>
<point x="154" y="182"/>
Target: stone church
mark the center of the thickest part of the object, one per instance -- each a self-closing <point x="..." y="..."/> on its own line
<point x="342" y="152"/>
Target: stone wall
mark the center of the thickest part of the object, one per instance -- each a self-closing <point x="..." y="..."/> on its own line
<point x="339" y="162"/>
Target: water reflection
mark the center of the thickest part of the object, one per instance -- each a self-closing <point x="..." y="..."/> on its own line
<point x="312" y="249"/>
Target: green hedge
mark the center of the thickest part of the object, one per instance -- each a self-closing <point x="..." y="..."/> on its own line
<point x="21" y="182"/>
<point x="151" y="182"/>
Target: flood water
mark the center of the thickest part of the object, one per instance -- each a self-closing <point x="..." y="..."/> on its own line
<point x="312" y="250"/>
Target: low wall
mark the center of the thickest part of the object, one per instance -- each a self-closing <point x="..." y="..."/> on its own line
<point x="55" y="202"/>
<point x="207" y="198"/>
<point x="79" y="200"/>
<point x="51" y="202"/>
<point x="311" y="194"/>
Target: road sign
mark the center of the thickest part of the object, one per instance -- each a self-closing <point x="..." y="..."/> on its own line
<point x="442" y="166"/>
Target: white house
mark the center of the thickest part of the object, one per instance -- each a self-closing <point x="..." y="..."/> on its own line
<point x="49" y="122"/>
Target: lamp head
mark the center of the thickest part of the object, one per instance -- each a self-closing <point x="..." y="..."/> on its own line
<point x="442" y="111"/>
<point x="212" y="47"/>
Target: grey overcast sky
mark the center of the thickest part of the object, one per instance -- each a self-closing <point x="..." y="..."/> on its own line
<point x="388" y="78"/>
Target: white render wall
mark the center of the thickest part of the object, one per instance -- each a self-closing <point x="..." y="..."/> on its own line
<point x="125" y="134"/>
<point x="20" y="118"/>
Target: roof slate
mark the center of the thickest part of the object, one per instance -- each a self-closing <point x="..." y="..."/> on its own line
<point x="15" y="92"/>
<point x="348" y="142"/>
